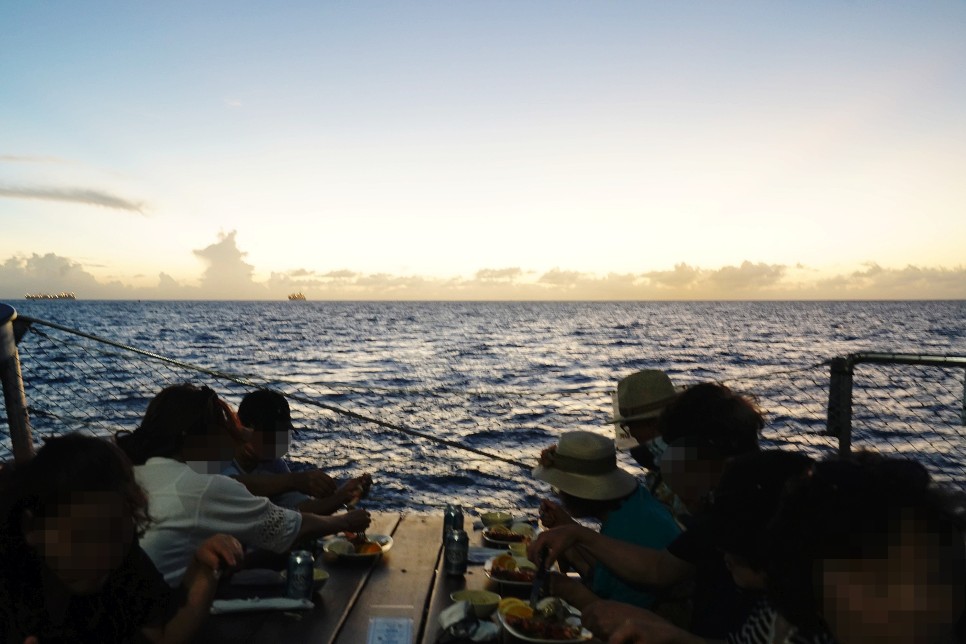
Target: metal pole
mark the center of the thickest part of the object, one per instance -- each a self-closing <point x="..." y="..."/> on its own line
<point x="840" y="403"/>
<point x="13" y="393"/>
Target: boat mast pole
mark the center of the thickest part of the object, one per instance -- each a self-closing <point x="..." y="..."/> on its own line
<point x="13" y="393"/>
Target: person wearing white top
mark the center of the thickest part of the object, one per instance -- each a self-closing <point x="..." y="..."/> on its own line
<point x="185" y="432"/>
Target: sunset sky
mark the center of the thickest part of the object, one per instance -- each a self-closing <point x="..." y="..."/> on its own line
<point x="483" y="150"/>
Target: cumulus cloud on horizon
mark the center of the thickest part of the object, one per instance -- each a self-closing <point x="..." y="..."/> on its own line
<point x="226" y="275"/>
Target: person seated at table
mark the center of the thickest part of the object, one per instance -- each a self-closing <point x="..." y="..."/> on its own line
<point x="72" y="570"/>
<point x="638" y="402"/>
<point x="745" y="500"/>
<point x="706" y="426"/>
<point x="583" y="468"/>
<point x="185" y="430"/>
<point x="873" y="550"/>
<point x="259" y="466"/>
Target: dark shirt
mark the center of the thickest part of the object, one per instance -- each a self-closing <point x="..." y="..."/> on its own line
<point x="134" y="596"/>
<point x="719" y="606"/>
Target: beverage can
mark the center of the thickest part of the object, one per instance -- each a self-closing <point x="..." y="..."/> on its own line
<point x="452" y="518"/>
<point x="456" y="549"/>
<point x="300" y="575"/>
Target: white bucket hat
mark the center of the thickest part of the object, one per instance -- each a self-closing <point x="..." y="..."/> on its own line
<point x="585" y="465"/>
<point x="643" y="395"/>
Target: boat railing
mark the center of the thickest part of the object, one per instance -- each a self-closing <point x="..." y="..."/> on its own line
<point x="57" y="379"/>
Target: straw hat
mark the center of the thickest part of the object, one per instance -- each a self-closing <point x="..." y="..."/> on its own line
<point x="643" y="395"/>
<point x="585" y="465"/>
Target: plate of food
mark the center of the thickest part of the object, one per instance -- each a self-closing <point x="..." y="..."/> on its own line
<point x="357" y="546"/>
<point x="510" y="570"/>
<point x="553" y="622"/>
<point x="501" y="536"/>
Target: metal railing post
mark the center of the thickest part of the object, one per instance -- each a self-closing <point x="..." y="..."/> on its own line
<point x="13" y="393"/>
<point x="840" y="403"/>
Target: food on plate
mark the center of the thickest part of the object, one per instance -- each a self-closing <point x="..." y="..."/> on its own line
<point x="510" y="568"/>
<point x="507" y="602"/>
<point x="361" y="544"/>
<point x="553" y="619"/>
<point x="367" y="548"/>
<point x="504" y="534"/>
<point x="542" y="628"/>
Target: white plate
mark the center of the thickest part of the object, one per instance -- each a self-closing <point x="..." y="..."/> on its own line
<point x="345" y="550"/>
<point x="584" y="634"/>
<point x="522" y="562"/>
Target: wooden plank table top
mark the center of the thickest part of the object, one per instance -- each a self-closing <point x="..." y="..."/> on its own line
<point x="406" y="582"/>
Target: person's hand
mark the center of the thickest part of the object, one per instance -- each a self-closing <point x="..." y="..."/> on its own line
<point x="553" y="515"/>
<point x="315" y="483"/>
<point x="546" y="456"/>
<point x="560" y="585"/>
<point x="356" y="521"/>
<point x="651" y="630"/>
<point x="354" y="489"/>
<point x="556" y="541"/>
<point x="31" y="640"/>
<point x="219" y="552"/>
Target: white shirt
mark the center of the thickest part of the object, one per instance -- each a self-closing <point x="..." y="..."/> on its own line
<point x="186" y="508"/>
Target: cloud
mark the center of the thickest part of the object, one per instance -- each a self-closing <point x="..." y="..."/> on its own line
<point x="499" y="274"/>
<point x="748" y="276"/>
<point x="682" y="277"/>
<point x="226" y="275"/>
<point x="52" y="273"/>
<point x="74" y="195"/>
<point x="14" y="158"/>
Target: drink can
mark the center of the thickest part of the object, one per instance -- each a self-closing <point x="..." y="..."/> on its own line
<point x="452" y="519"/>
<point x="456" y="549"/>
<point x="300" y="575"/>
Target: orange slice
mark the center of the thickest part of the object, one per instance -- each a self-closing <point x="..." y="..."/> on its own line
<point x="519" y="610"/>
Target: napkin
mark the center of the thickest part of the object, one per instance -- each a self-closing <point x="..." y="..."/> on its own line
<point x="477" y="555"/>
<point x="256" y="603"/>
<point x="460" y="624"/>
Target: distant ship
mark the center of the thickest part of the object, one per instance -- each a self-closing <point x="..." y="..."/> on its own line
<point x="297" y="296"/>
<point x="50" y="296"/>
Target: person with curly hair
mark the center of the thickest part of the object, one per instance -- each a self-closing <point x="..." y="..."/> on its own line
<point x="72" y="569"/>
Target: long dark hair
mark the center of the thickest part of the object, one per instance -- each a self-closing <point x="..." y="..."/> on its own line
<point x="63" y="468"/>
<point x="175" y="413"/>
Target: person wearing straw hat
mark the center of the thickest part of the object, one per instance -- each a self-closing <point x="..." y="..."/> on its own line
<point x="638" y="403"/>
<point x="583" y="470"/>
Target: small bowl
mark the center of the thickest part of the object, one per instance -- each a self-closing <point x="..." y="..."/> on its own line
<point x="491" y="519"/>
<point x="319" y="577"/>
<point x="484" y="602"/>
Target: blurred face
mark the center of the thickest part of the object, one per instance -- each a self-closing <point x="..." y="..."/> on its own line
<point x="690" y="476"/>
<point x="85" y="541"/>
<point x="209" y="454"/>
<point x="912" y="594"/>
<point x="274" y="445"/>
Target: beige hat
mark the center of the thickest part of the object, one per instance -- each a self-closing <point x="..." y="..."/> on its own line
<point x="585" y="465"/>
<point x="643" y="395"/>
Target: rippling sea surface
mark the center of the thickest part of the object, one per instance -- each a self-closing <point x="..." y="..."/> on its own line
<point x="504" y="378"/>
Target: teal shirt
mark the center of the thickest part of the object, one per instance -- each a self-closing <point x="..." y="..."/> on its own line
<point x="643" y="520"/>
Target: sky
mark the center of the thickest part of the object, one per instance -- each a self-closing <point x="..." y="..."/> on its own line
<point x="535" y="149"/>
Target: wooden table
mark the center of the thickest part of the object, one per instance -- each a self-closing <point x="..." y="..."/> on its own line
<point x="407" y="581"/>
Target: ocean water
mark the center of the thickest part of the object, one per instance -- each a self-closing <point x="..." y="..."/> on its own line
<point x="376" y="386"/>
